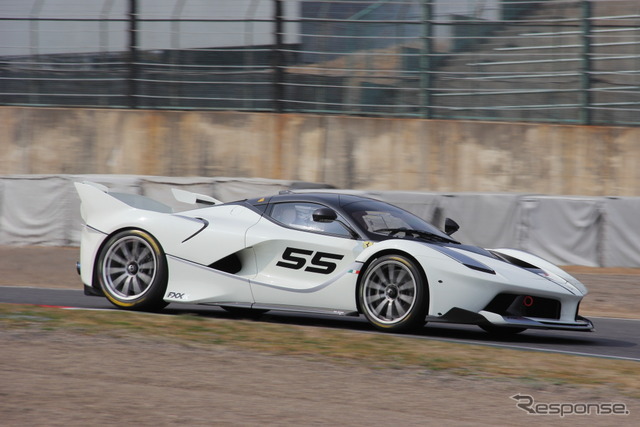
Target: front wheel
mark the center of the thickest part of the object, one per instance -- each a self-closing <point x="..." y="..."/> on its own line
<point x="393" y="294"/>
<point x="132" y="271"/>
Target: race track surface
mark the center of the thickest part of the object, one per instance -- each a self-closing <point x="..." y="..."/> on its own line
<point x="47" y="276"/>
<point x="613" y="338"/>
<point x="60" y="378"/>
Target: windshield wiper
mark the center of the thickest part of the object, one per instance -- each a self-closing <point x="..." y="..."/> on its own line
<point x="427" y="235"/>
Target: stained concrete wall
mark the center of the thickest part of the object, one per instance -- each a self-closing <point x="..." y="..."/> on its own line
<point x="347" y="152"/>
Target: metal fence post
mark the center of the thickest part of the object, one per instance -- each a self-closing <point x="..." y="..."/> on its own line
<point x="277" y="60"/>
<point x="425" y="60"/>
<point x="585" y="80"/>
<point x="34" y="49"/>
<point x="132" y="87"/>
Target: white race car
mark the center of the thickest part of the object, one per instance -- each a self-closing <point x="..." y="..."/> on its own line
<point x="314" y="252"/>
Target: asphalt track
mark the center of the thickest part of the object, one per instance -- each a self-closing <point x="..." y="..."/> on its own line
<point x="613" y="338"/>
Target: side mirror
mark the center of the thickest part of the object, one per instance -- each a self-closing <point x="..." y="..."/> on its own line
<point x="450" y="226"/>
<point x="324" y="215"/>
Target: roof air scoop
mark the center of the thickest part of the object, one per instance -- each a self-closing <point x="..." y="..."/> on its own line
<point x="193" y="198"/>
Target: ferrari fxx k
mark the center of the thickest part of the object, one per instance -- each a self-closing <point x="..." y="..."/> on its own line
<point x="315" y="252"/>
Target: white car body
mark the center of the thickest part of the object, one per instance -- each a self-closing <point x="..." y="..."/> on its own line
<point x="240" y="255"/>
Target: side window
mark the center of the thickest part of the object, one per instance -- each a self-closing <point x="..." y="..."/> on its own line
<point x="300" y="215"/>
<point x="285" y="213"/>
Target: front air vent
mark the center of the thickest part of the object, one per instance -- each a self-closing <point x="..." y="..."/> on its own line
<point x="525" y="306"/>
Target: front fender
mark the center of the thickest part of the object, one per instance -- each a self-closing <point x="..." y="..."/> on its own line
<point x="545" y="265"/>
<point x="408" y="247"/>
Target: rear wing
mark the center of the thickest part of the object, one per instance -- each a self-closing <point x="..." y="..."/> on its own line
<point x="96" y="200"/>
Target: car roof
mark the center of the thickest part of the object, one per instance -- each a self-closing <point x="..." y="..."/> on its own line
<point x="335" y="200"/>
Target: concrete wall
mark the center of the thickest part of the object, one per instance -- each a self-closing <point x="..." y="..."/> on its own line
<point x="347" y="152"/>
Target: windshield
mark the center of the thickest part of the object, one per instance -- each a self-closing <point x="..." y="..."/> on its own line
<point x="381" y="220"/>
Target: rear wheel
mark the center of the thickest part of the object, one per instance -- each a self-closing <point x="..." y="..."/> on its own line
<point x="393" y="294"/>
<point x="132" y="271"/>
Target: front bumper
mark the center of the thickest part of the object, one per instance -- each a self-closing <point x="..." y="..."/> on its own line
<point x="580" y="324"/>
<point x="460" y="316"/>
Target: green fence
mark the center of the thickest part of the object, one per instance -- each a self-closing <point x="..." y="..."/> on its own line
<point x="567" y="61"/>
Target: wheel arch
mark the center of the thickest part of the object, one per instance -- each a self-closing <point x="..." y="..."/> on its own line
<point x="95" y="279"/>
<point x="390" y="251"/>
<point x="108" y="237"/>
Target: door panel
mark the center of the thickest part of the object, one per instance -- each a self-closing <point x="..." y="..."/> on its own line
<point x="296" y="267"/>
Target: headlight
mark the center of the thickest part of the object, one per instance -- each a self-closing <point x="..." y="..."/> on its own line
<point x="558" y="281"/>
<point x="463" y="259"/>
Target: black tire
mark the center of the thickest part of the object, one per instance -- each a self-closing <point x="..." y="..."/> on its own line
<point x="502" y="331"/>
<point x="393" y="294"/>
<point x="132" y="271"/>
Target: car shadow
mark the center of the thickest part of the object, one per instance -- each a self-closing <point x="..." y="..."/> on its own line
<point x="556" y="340"/>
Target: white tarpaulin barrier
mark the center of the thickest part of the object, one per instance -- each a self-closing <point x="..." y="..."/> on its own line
<point x="562" y="228"/>
<point x="591" y="231"/>
<point x="487" y="220"/>
<point x="621" y="232"/>
<point x="35" y="211"/>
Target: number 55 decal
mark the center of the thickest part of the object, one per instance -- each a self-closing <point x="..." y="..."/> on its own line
<point x="297" y="258"/>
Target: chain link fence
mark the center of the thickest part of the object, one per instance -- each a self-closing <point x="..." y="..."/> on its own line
<point x="565" y="61"/>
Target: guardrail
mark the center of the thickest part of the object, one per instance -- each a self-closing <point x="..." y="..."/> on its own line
<point x="568" y="61"/>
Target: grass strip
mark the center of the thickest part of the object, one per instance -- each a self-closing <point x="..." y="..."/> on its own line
<point x="375" y="351"/>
